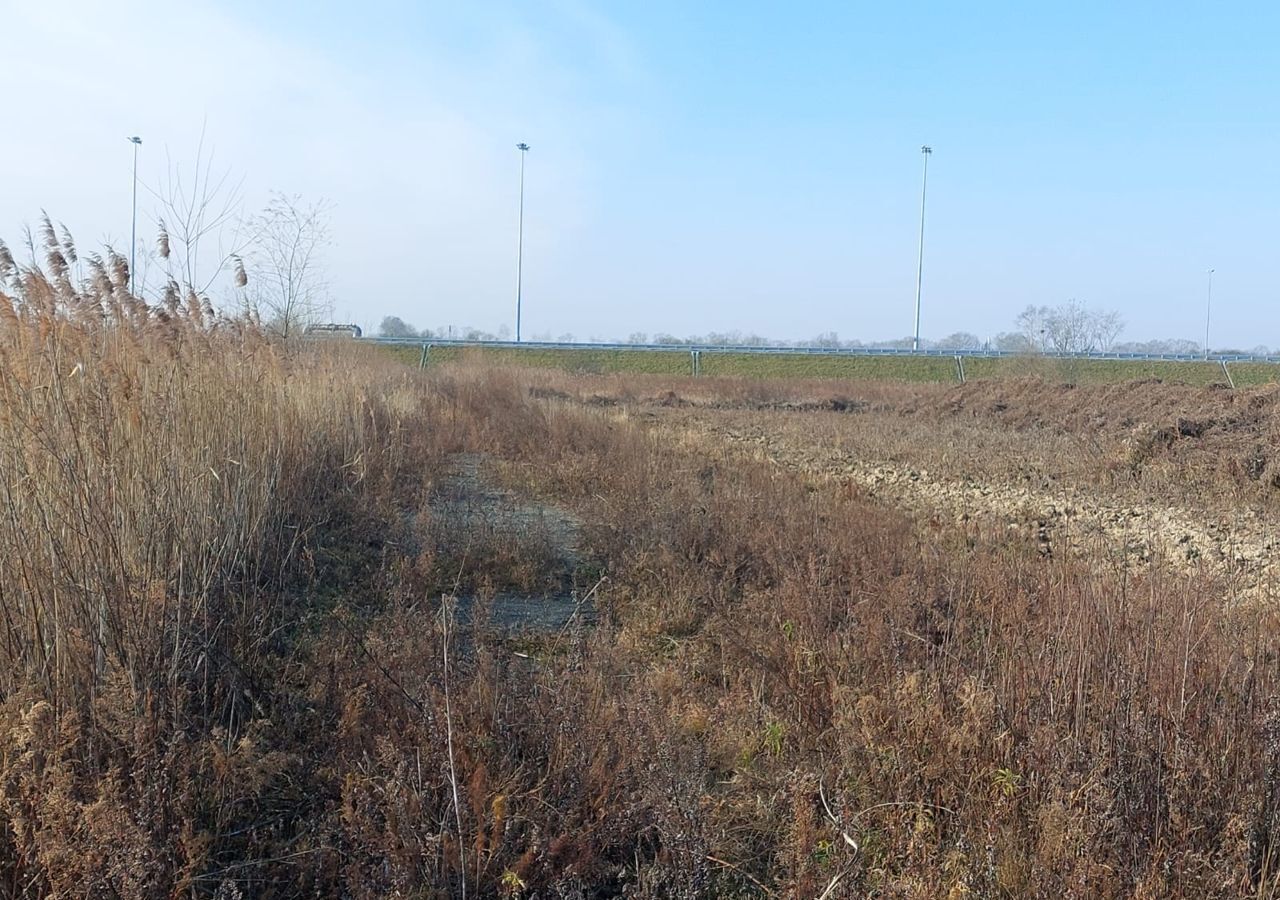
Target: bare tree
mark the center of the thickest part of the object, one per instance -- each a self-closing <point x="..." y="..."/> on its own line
<point x="198" y="222"/>
<point x="1070" y="327"/>
<point x="396" y="327"/>
<point x="961" y="340"/>
<point x="1031" y="323"/>
<point x="1015" y="342"/>
<point x="1107" y="326"/>
<point x="286" y="240"/>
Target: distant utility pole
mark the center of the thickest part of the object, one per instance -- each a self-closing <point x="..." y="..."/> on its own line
<point x="1208" y="310"/>
<point x="925" y="151"/>
<point x="133" y="234"/>
<point x="524" y="149"/>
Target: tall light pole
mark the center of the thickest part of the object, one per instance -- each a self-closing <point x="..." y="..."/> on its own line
<point x="1208" y="310"/>
<point x="926" y="151"/>
<point x="133" y="233"/>
<point x="524" y="149"/>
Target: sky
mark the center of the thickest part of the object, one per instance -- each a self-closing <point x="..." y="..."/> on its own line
<point x="694" y="167"/>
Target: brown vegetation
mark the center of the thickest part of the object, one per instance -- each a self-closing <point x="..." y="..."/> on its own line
<point x="1194" y="445"/>
<point x="236" y="660"/>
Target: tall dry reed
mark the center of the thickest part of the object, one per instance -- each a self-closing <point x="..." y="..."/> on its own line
<point x="170" y="482"/>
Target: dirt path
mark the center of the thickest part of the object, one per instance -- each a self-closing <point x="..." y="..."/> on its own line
<point x="1061" y="519"/>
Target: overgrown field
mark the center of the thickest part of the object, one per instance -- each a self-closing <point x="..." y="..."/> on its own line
<point x="836" y="366"/>
<point x="270" y="627"/>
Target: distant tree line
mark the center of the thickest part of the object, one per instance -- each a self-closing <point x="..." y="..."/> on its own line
<point x="1070" y="327"/>
<point x="396" y="327"/>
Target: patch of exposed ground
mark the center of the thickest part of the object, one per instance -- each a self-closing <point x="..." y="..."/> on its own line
<point x="475" y="521"/>
<point x="1060" y="517"/>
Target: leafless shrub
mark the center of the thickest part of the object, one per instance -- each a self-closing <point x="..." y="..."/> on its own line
<point x="199" y="221"/>
<point x="286" y="239"/>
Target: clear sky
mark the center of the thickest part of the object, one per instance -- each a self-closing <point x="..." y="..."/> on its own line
<point x="695" y="167"/>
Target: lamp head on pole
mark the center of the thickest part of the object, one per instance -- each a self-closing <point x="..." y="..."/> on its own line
<point x="926" y="149"/>
<point x="522" y="147"/>
<point x="135" y="140"/>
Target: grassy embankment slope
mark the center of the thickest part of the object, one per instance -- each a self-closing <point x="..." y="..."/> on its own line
<point x="871" y="368"/>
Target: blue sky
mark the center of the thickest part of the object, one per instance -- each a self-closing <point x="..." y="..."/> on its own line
<point x="695" y="167"/>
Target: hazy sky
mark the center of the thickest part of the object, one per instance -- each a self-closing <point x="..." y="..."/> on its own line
<point x="695" y="166"/>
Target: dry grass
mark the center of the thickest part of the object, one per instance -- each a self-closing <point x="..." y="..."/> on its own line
<point x="982" y="720"/>
<point x="939" y="370"/>
<point x="233" y="666"/>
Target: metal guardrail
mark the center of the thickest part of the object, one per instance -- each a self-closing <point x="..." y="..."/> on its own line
<point x="821" y="351"/>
